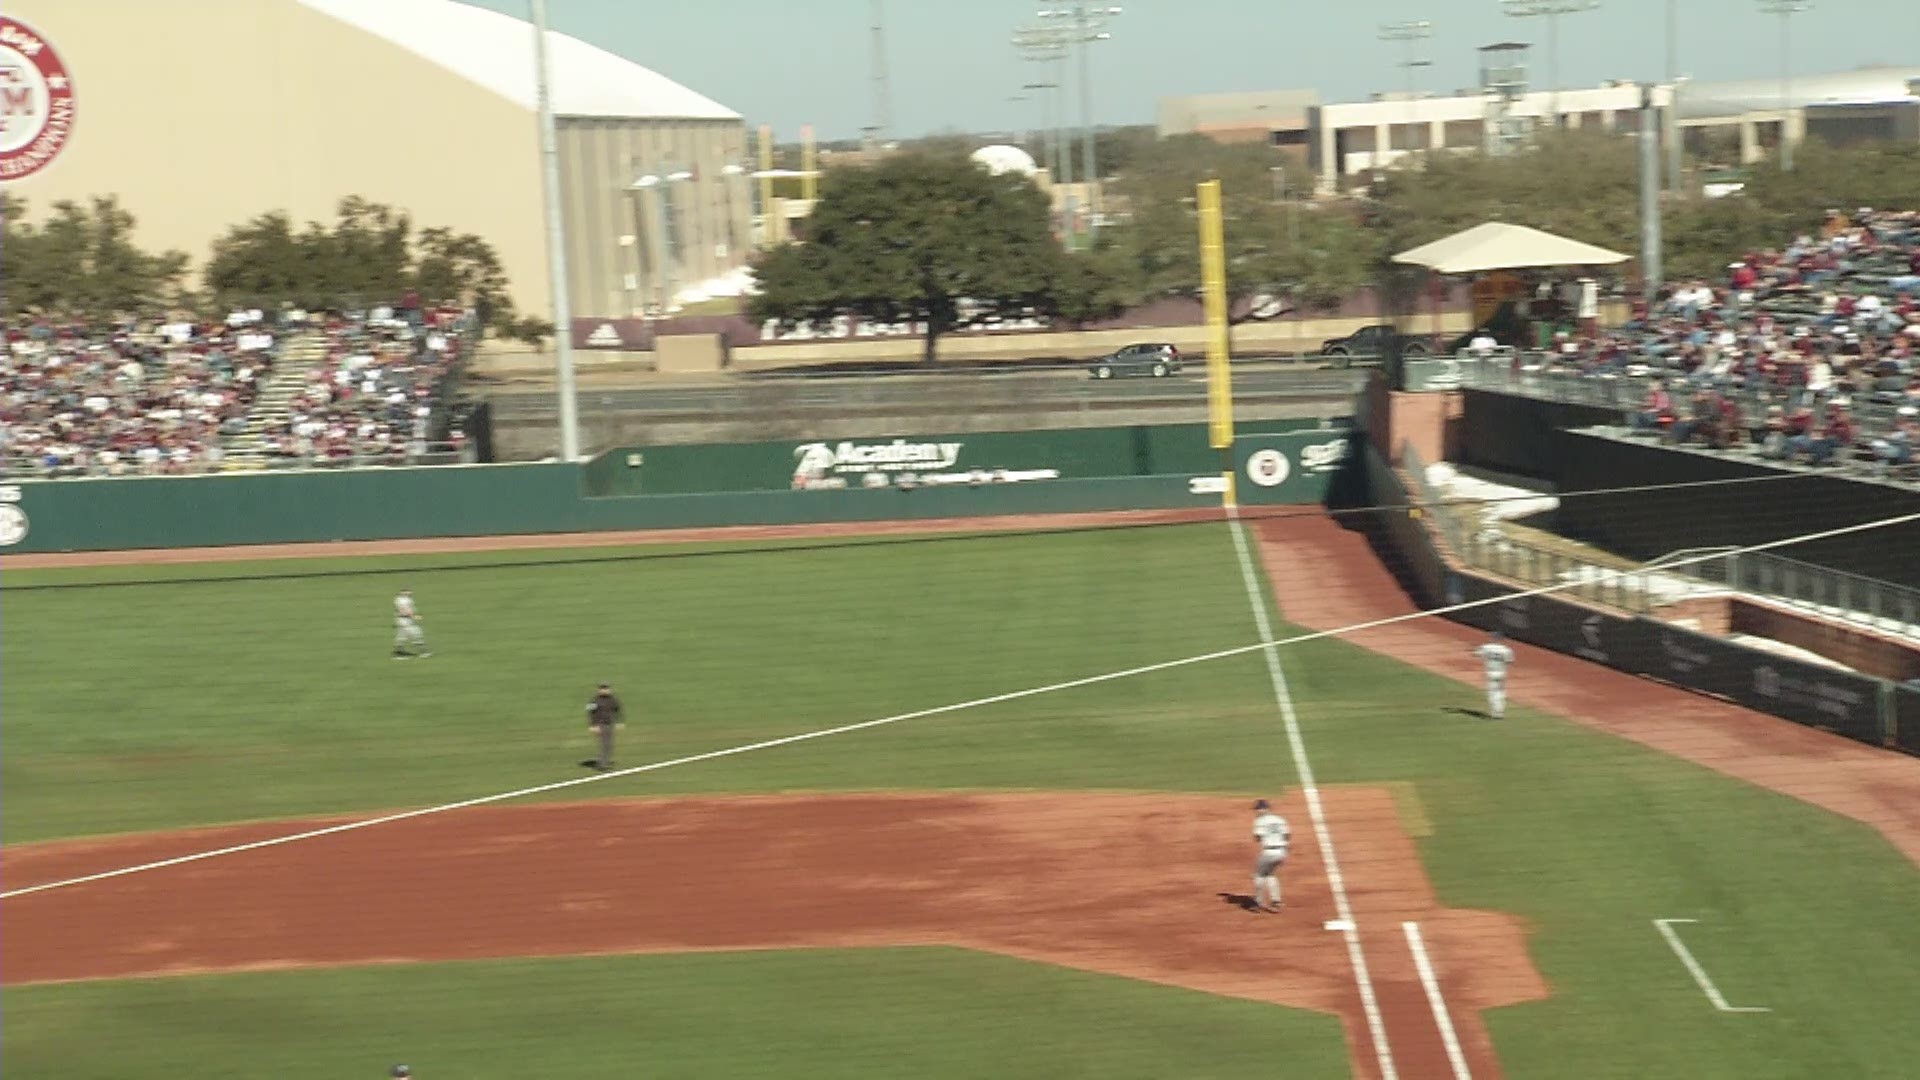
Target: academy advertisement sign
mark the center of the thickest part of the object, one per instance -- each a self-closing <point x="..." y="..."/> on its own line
<point x="37" y="101"/>
<point x="897" y="462"/>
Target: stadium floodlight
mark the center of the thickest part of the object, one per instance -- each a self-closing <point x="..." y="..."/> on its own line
<point x="1082" y="25"/>
<point x="1786" y="9"/>
<point x="1551" y="10"/>
<point x="556" y="239"/>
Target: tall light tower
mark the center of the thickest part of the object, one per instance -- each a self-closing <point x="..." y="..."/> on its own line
<point x="1675" y="138"/>
<point x="1786" y="9"/>
<point x="556" y="243"/>
<point x="1552" y="10"/>
<point x="882" y="85"/>
<point x="1083" y="25"/>
<point x="1408" y="34"/>
<point x="1048" y="44"/>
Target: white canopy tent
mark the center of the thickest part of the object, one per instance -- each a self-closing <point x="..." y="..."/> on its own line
<point x="1499" y="246"/>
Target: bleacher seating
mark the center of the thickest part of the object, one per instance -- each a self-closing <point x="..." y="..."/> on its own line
<point x="157" y="397"/>
<point x="1809" y="353"/>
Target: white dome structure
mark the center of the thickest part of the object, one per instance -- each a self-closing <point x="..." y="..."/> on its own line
<point x="1001" y="158"/>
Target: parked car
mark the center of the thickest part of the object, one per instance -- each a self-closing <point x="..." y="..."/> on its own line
<point x="1380" y="340"/>
<point x="1155" y="359"/>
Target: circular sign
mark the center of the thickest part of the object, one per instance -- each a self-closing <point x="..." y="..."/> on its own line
<point x="36" y="101"/>
<point x="1268" y="468"/>
<point x="13" y="524"/>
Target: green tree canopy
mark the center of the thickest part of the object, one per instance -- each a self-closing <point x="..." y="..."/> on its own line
<point x="368" y="255"/>
<point x="929" y="238"/>
<point x="82" y="261"/>
<point x="1313" y="254"/>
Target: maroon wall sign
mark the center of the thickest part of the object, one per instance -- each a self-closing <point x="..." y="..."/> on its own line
<point x="36" y="101"/>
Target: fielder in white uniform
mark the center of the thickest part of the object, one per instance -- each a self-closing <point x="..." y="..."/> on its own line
<point x="408" y="641"/>
<point x="1271" y="832"/>
<point x="1497" y="655"/>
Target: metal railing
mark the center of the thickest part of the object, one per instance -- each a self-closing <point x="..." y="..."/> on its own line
<point x="1882" y="605"/>
<point x="17" y="467"/>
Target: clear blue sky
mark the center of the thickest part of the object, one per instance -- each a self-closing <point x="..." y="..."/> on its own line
<point x="791" y="62"/>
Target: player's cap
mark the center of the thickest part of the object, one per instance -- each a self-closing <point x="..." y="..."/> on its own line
<point x="1261" y="804"/>
<point x="400" y="1070"/>
<point x="606" y="686"/>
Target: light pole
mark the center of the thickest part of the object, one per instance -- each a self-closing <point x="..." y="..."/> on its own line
<point x="1048" y="45"/>
<point x="1650" y="262"/>
<point x="1085" y="25"/>
<point x="1676" y="138"/>
<point x="1049" y="135"/>
<point x="1786" y="9"/>
<point x="1552" y="9"/>
<point x="1407" y="33"/>
<point x="657" y="184"/>
<point x="556" y="245"/>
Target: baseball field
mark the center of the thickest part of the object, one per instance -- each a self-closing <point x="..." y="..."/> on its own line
<point x="907" y="804"/>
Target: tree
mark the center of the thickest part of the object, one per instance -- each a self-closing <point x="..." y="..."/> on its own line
<point x="531" y="331"/>
<point x="1093" y="285"/>
<point x="1314" y="255"/>
<point x="463" y="268"/>
<point x="928" y="238"/>
<point x="1581" y="183"/>
<point x="82" y="261"/>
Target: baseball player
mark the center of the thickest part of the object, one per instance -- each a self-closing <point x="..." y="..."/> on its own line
<point x="408" y="641"/>
<point x="1497" y="655"/>
<point x="1271" y="832"/>
<point x="603" y="715"/>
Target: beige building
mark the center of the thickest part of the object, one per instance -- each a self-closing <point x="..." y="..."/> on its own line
<point x="199" y="115"/>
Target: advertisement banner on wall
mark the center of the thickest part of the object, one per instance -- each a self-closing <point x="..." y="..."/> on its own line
<point x="1290" y="468"/>
<point x="1811" y="694"/>
<point x="1546" y="621"/>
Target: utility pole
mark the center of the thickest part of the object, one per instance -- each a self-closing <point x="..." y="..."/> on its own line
<point x="1407" y="33"/>
<point x="879" y="128"/>
<point x="1049" y="132"/>
<point x="1049" y="45"/>
<point x="1084" y="25"/>
<point x="556" y="244"/>
<point x="1651" y="272"/>
<point x="1676" y="139"/>
<point x="1786" y="9"/>
<point x="1552" y="10"/>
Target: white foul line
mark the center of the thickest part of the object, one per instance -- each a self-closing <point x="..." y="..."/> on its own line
<point x="1665" y="926"/>
<point x="1014" y="695"/>
<point x="1437" y="1001"/>
<point x="1350" y="928"/>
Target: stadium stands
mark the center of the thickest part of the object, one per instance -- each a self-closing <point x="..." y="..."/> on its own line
<point x="1809" y="353"/>
<point x="151" y="397"/>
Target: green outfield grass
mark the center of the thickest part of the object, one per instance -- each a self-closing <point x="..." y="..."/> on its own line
<point x="144" y="706"/>
<point x="879" y="1013"/>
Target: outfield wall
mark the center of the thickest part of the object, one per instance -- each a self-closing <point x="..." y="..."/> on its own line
<point x="773" y="465"/>
<point x="1862" y="708"/>
<point x="485" y="500"/>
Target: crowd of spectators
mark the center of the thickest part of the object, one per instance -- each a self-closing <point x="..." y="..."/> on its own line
<point x="167" y="397"/>
<point x="1809" y="352"/>
<point x="373" y="398"/>
<point x="134" y="396"/>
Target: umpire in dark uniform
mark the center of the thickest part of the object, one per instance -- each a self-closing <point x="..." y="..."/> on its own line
<point x="603" y="715"/>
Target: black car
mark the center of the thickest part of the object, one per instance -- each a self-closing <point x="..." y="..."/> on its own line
<point x="1379" y="340"/>
<point x="1155" y="359"/>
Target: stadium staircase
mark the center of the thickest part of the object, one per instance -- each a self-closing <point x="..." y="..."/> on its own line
<point x="247" y="449"/>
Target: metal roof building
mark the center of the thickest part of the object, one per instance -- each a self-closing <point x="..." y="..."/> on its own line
<point x="200" y="116"/>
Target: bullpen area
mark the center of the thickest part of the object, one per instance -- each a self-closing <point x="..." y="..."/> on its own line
<point x="938" y="801"/>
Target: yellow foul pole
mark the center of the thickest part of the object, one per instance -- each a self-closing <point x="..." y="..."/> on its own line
<point x="1213" y="287"/>
<point x="809" y="165"/>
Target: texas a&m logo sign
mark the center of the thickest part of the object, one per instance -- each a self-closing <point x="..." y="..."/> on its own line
<point x="36" y="101"/>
